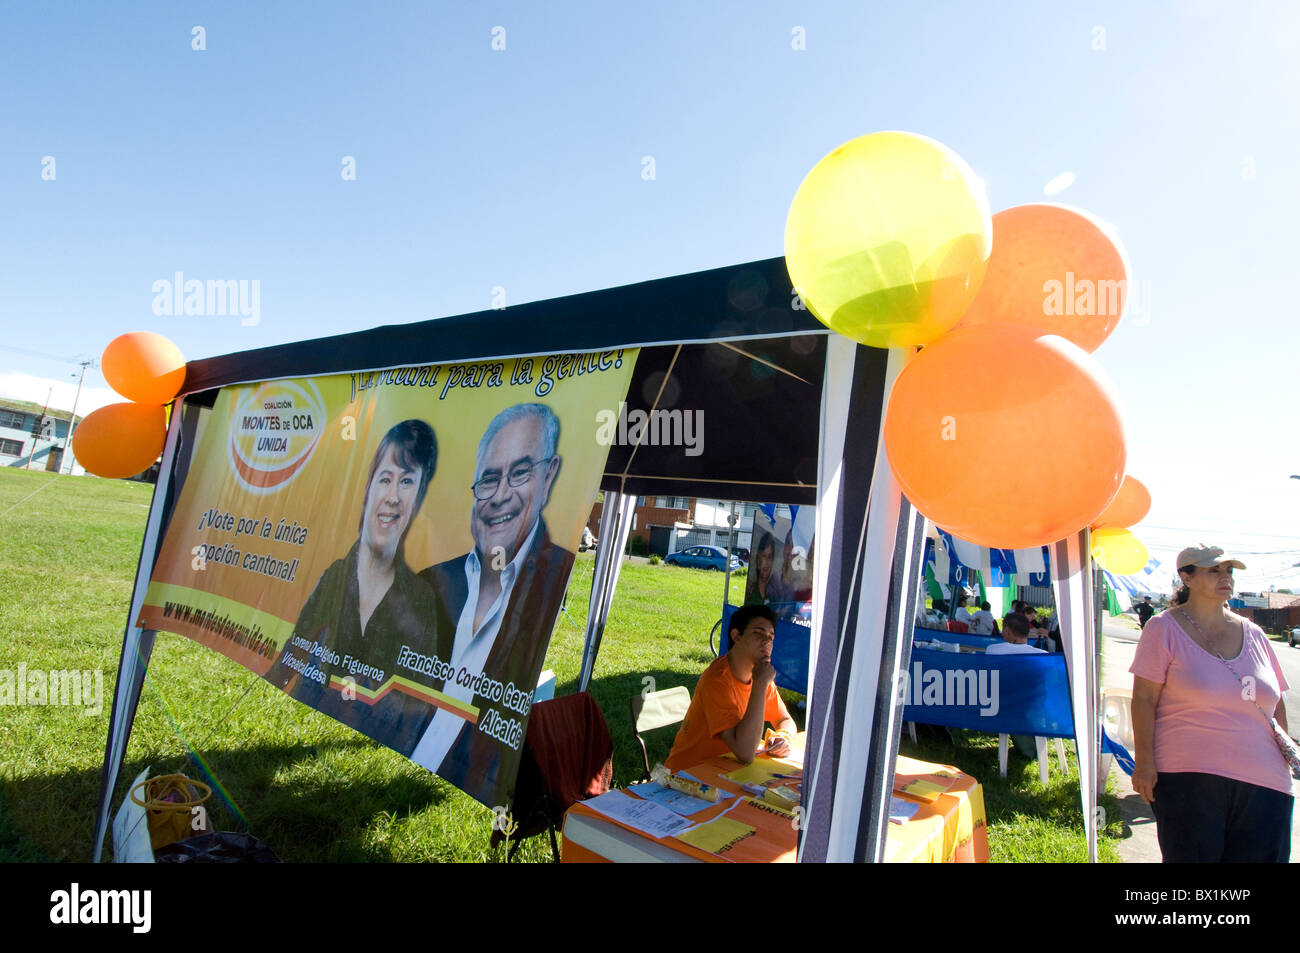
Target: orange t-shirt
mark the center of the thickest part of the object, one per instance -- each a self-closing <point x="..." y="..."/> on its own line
<point x="719" y="703"/>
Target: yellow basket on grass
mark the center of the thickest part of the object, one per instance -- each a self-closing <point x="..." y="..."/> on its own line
<point x="169" y="801"/>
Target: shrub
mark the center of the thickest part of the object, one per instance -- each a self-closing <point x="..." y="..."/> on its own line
<point x="638" y="546"/>
<point x="654" y="559"/>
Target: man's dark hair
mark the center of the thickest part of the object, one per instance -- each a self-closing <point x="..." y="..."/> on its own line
<point x="741" y="618"/>
<point x="984" y="606"/>
<point x="1017" y="623"/>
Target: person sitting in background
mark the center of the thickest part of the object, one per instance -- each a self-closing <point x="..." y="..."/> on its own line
<point x="963" y="614"/>
<point x="982" y="622"/>
<point x="932" y="618"/>
<point x="1015" y="635"/>
<point x="1015" y="632"/>
<point x="1037" y="631"/>
<point x="733" y="698"/>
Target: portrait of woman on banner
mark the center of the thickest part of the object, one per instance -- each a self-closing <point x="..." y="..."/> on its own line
<point x="764" y="586"/>
<point x="369" y="604"/>
<point x="780" y="576"/>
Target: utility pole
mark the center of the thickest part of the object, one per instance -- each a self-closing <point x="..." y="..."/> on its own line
<point x="67" y="447"/>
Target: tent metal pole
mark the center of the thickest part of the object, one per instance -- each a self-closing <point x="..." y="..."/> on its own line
<point x="1072" y="579"/>
<point x="614" y="535"/>
<point x="137" y="643"/>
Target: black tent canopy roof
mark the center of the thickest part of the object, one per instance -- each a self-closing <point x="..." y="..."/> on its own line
<point x="727" y="345"/>
<point x="732" y="304"/>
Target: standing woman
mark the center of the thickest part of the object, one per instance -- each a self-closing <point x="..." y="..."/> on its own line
<point x="1206" y="758"/>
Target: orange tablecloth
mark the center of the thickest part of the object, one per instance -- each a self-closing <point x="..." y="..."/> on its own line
<point x="951" y="828"/>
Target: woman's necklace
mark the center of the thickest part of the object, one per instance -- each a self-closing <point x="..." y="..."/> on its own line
<point x="1205" y="641"/>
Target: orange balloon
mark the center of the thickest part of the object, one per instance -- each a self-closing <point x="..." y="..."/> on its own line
<point x="144" y="367"/>
<point x="1130" y="506"/>
<point x="1055" y="269"/>
<point x="120" y="440"/>
<point x="1006" y="437"/>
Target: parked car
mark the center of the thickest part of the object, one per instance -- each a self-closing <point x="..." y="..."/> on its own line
<point x="702" y="557"/>
<point x="742" y="555"/>
<point x="588" y="541"/>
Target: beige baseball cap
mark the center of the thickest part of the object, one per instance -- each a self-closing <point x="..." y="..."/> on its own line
<point x="1206" y="557"/>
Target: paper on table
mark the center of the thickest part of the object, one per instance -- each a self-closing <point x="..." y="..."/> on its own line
<point x="926" y="786"/>
<point x="717" y="836"/>
<point x="675" y="801"/>
<point x="900" y="811"/>
<point x="644" y="816"/>
<point x="723" y="793"/>
<point x="762" y="770"/>
<point x="925" y="790"/>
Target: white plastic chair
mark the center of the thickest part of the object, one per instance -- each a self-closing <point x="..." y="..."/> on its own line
<point x="657" y="710"/>
<point x="1117" y="719"/>
<point x="1040" y="743"/>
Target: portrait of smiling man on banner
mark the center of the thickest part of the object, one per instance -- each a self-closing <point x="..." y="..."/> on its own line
<point x="502" y="598"/>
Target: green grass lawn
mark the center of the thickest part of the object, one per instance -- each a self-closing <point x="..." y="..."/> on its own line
<point x="311" y="788"/>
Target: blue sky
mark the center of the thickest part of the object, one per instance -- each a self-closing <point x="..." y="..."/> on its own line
<point x="522" y="168"/>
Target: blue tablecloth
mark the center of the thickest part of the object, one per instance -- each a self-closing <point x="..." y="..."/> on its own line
<point x="1016" y="694"/>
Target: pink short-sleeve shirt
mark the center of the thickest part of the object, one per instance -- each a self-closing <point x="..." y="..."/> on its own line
<point x="1203" y="722"/>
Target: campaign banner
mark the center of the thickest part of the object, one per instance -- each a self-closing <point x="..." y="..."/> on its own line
<point x="780" y="562"/>
<point x="780" y="577"/>
<point x="392" y="548"/>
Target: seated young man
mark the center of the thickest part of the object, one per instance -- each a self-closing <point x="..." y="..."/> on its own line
<point x="1015" y="634"/>
<point x="734" y="696"/>
<point x="982" y="622"/>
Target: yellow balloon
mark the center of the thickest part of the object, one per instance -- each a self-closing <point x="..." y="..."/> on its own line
<point x="1119" y="551"/>
<point x="887" y="239"/>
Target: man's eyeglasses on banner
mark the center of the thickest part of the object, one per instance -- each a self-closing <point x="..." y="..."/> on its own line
<point x="520" y="473"/>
